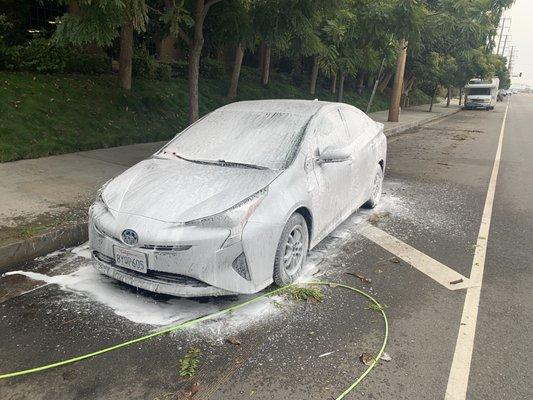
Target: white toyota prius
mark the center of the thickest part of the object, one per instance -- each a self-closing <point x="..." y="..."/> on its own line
<point x="235" y="201"/>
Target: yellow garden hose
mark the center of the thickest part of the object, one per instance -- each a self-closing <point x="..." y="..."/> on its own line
<point x="186" y="324"/>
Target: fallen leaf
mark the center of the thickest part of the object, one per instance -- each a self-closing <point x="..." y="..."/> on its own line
<point x="234" y="340"/>
<point x="456" y="282"/>
<point x="361" y="277"/>
<point x="366" y="358"/>
<point x="195" y="387"/>
<point x="394" y="260"/>
<point x="385" y="357"/>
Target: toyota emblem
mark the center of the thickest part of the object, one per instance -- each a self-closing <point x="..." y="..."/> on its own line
<point x="130" y="237"/>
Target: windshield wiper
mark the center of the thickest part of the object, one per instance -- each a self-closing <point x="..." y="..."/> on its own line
<point x="217" y="162"/>
<point x="236" y="164"/>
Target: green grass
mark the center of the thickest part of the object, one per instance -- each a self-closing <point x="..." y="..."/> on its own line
<point x="302" y="293"/>
<point x="42" y="115"/>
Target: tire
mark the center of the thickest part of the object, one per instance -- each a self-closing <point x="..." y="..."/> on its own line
<point x="294" y="242"/>
<point x="377" y="186"/>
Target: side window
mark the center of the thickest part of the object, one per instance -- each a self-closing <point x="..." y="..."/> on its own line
<point x="359" y="127"/>
<point x="331" y="131"/>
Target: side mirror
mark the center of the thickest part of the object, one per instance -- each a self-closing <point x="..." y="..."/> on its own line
<point x="333" y="154"/>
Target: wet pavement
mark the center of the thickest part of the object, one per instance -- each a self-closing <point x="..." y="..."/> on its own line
<point x="435" y="190"/>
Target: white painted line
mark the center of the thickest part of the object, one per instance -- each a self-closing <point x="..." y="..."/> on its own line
<point x="422" y="262"/>
<point x="460" y="369"/>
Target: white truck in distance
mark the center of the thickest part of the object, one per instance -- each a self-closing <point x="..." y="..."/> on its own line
<point x="481" y="94"/>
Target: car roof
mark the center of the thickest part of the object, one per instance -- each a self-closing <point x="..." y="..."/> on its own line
<point x="295" y="107"/>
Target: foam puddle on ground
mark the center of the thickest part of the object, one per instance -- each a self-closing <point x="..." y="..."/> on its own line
<point x="143" y="309"/>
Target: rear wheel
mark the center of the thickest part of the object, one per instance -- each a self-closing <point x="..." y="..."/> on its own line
<point x="375" y="193"/>
<point x="291" y="251"/>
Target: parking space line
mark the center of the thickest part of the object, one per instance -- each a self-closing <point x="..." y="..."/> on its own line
<point x="422" y="262"/>
<point x="462" y="358"/>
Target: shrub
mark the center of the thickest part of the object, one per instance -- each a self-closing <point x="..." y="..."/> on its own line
<point x="43" y="55"/>
<point x="88" y="63"/>
<point x="212" y="69"/>
<point x="143" y="64"/>
<point x="10" y="57"/>
<point x="180" y="68"/>
<point x="163" y="71"/>
<point x="250" y="74"/>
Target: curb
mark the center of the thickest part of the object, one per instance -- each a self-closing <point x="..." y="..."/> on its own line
<point x="395" y="130"/>
<point x="17" y="253"/>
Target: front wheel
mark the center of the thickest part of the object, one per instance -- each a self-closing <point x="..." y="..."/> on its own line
<point x="291" y="251"/>
<point x="375" y="191"/>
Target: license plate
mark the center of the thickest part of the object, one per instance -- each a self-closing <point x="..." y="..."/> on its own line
<point x="131" y="259"/>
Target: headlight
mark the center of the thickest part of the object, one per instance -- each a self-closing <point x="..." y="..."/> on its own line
<point x="99" y="198"/>
<point x="233" y="218"/>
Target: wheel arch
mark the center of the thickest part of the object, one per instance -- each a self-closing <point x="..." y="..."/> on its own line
<point x="308" y="217"/>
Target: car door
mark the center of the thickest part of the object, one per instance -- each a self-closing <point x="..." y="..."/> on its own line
<point x="330" y="184"/>
<point x="362" y="131"/>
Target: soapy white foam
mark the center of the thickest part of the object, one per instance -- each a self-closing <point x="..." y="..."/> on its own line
<point x="231" y="324"/>
<point x="134" y="307"/>
<point x="82" y="251"/>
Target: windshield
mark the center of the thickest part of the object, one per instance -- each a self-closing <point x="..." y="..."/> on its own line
<point x="479" y="91"/>
<point x="265" y="139"/>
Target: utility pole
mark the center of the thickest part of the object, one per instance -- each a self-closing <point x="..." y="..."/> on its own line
<point x="501" y="33"/>
<point x="505" y="44"/>
<point x="394" y="109"/>
<point x="510" y="63"/>
<point x="376" y="82"/>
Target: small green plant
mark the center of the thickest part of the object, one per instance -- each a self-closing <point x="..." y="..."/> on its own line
<point x="301" y="293"/>
<point x="189" y="363"/>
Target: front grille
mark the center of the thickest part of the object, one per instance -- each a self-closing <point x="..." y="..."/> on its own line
<point x="158" y="247"/>
<point x="166" y="277"/>
<point x="165" y="247"/>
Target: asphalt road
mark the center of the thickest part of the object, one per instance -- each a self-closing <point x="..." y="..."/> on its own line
<point x="435" y="192"/>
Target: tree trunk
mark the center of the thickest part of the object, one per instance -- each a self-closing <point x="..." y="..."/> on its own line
<point x="360" y="82"/>
<point x="314" y="76"/>
<point x="196" y="46"/>
<point x="334" y="83"/>
<point x="394" y="109"/>
<point x="460" y="96"/>
<point x="261" y="57"/>
<point x="340" y="94"/>
<point x="385" y="82"/>
<point x="265" y="71"/>
<point x="239" y="53"/>
<point x="433" y="98"/>
<point x="449" y="96"/>
<point x="126" y="55"/>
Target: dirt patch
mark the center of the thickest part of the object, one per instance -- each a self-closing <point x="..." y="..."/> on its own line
<point x="26" y="227"/>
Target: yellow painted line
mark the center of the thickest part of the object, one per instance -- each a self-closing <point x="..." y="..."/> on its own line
<point x="460" y="369"/>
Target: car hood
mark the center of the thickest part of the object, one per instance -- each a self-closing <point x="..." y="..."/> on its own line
<point x="174" y="190"/>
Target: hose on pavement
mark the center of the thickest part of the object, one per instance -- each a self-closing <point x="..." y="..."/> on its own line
<point x="186" y="324"/>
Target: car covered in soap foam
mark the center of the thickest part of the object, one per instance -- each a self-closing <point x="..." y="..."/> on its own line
<point x="235" y="201"/>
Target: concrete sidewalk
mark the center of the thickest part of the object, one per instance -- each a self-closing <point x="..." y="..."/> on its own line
<point x="43" y="201"/>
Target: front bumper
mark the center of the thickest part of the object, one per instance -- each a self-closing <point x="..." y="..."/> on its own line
<point x="475" y="106"/>
<point x="186" y="261"/>
<point x="174" y="285"/>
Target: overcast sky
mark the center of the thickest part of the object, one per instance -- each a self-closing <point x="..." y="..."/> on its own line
<point x="521" y="14"/>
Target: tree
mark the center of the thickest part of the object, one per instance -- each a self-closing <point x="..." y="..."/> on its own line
<point x="229" y="25"/>
<point x="100" y="23"/>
